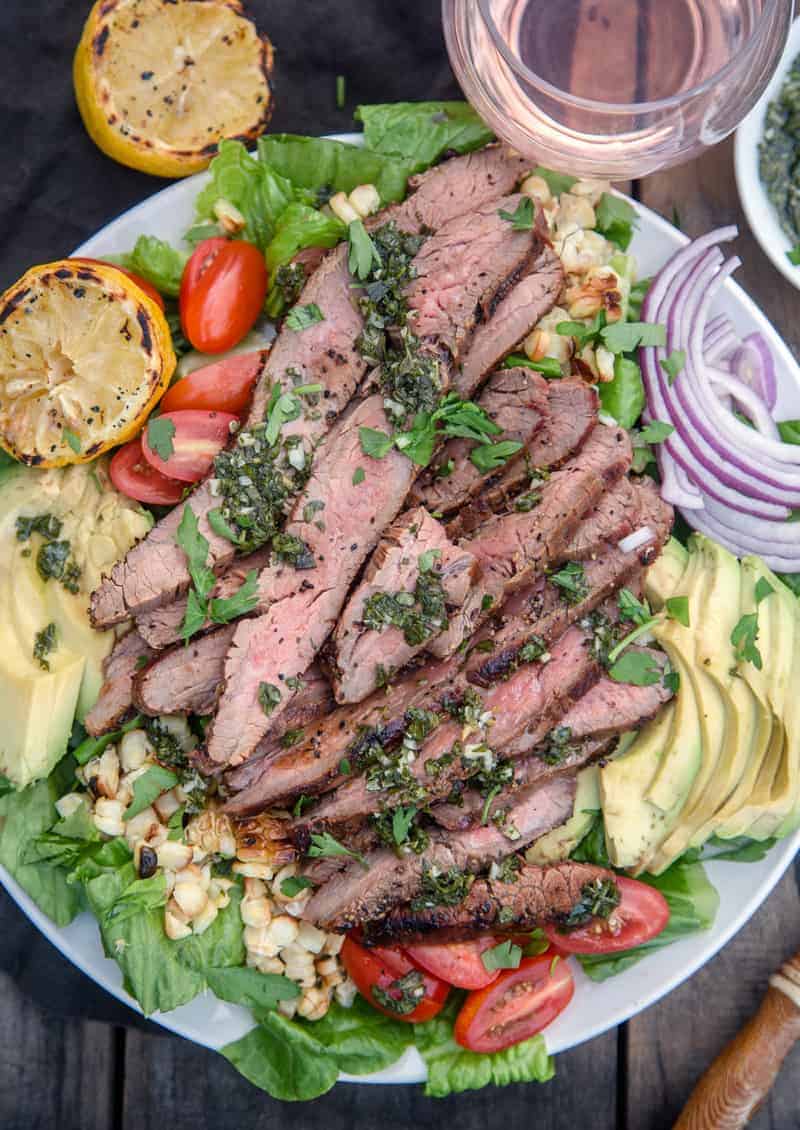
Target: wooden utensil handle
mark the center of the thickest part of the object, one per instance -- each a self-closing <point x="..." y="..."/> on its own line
<point x="740" y="1078"/>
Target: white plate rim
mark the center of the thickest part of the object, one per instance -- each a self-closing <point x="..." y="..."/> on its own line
<point x="80" y="941"/>
<point x="758" y="209"/>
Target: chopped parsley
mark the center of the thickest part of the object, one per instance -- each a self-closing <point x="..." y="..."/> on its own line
<point x="294" y="884"/>
<point x="521" y="219"/>
<point x="268" y="697"/>
<point x="324" y="846"/>
<point x="505" y="955"/>
<point x="599" y="899"/>
<point x="44" y="643"/>
<point x="160" y="434"/>
<point x="571" y="580"/>
<point x="301" y="318"/>
<point x="673" y="364"/>
<point x="557" y="746"/>
<point x="419" y="615"/>
<point x="743" y="639"/>
<point x="403" y="995"/>
<point x="442" y="888"/>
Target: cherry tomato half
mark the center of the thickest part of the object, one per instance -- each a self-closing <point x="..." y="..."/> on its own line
<point x="224" y="386"/>
<point x="197" y="438"/>
<point x="133" y="476"/>
<point x="223" y="289"/>
<point x="520" y="1003"/>
<point x="642" y="913"/>
<point x="142" y="284"/>
<point x="457" y="963"/>
<point x="382" y="970"/>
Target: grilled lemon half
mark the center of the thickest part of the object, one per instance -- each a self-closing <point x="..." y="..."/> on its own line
<point x="84" y="357"/>
<point x="159" y="83"/>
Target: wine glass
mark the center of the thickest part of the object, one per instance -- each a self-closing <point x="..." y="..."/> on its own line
<point x="614" y="88"/>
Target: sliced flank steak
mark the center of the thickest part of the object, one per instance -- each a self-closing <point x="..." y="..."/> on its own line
<point x="533" y="897"/>
<point x="360" y="894"/>
<point x="271" y="650"/>
<point x="417" y="563"/>
<point x="115" y="700"/>
<point x="517" y="401"/>
<point x="536" y="694"/>
<point x="515" y="316"/>
<point x="184" y="679"/>
<point x="155" y="571"/>
<point x="572" y="415"/>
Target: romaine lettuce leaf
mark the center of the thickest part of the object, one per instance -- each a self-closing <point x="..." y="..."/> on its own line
<point x="256" y="188"/>
<point x="249" y="987"/>
<point x="301" y="226"/>
<point x="316" y="163"/>
<point x="452" y="1069"/>
<point x="158" y="262"/>
<point x="362" y="1039"/>
<point x="420" y="133"/>
<point x="25" y="815"/>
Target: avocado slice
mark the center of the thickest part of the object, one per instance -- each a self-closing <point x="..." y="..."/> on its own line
<point x="662" y="578"/>
<point x="38" y="704"/>
<point x="561" y="842"/>
<point x="727" y="712"/>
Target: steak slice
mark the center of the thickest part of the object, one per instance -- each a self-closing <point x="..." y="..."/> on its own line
<point x="463" y="272"/>
<point x="115" y="699"/>
<point x="536" y="895"/>
<point x="524" y="305"/>
<point x="361" y="652"/>
<point x="359" y="894"/>
<point x="572" y="415"/>
<point x="162" y="626"/>
<point x="537" y="694"/>
<point x="277" y="646"/>
<point x="184" y="679"/>
<point x="454" y="187"/>
<point x="517" y="401"/>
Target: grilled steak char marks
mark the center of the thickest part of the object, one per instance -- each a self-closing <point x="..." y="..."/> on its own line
<point x="155" y="571"/>
<point x="279" y="645"/>
<point x="357" y="894"/>
<point x="119" y="669"/>
<point x="517" y="401"/>
<point x="515" y="316"/>
<point x="536" y="896"/>
<point x="359" y="651"/>
<point x="572" y="414"/>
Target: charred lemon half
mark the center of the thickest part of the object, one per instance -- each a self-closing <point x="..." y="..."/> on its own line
<point x="84" y="357"/>
<point x="159" y="83"/>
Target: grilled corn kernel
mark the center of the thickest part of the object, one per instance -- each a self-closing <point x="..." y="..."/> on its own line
<point x="305" y="978"/>
<point x="287" y="872"/>
<point x="218" y="890"/>
<point x="536" y="345"/>
<point x="108" y="817"/>
<point x="176" y="925"/>
<point x="589" y="358"/>
<point x="342" y="208"/>
<point x="211" y="831"/>
<point x="259" y="944"/>
<point x="178" y="726"/>
<point x="174" y="854"/>
<point x="283" y="930"/>
<point x="327" y="966"/>
<point x="102" y="774"/>
<point x="537" y="188"/>
<point x="287" y="1008"/>
<point x="254" y="889"/>
<point x="310" y="938"/>
<point x="230" y="218"/>
<point x="365" y="199"/>
<point x="189" y="896"/>
<point x="345" y="993"/>
<point x="142" y="825"/>
<point x="333" y="943"/>
<point x="134" y="749"/>
<point x="166" y="805"/>
<point x="313" y="1004"/>
<point x="590" y="190"/>
<point x="545" y="341"/>
<point x="205" y="918"/>
<point x="331" y="980"/>
<point x="255" y="912"/>
<point x="599" y="290"/>
<point x="574" y="210"/>
<point x="605" y="363"/>
<point x="271" y="965"/>
<point x="69" y="804"/>
<point x="253" y="870"/>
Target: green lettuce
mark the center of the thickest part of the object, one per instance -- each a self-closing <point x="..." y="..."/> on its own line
<point x="623" y="398"/>
<point x="301" y="226"/>
<point x="452" y="1069"/>
<point x="158" y="262"/>
<point x="24" y="816"/>
<point x="297" y="1060"/>
<point x="316" y="163"/>
<point x="420" y="133"/>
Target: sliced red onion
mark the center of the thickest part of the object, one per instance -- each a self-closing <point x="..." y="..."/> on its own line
<point x="764" y="369"/>
<point x="747" y="398"/>
<point x="741" y="544"/>
<point x="643" y="536"/>
<point x="721" y="347"/>
<point x="677" y="492"/>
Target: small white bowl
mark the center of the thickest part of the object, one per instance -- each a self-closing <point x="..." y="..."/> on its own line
<point x="761" y="214"/>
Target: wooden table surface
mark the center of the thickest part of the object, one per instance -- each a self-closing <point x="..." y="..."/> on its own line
<point x="68" y="1074"/>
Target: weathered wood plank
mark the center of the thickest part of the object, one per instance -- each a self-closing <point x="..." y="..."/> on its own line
<point x="53" y="1072"/>
<point x="168" y="1080"/>
<point x="672" y="1043"/>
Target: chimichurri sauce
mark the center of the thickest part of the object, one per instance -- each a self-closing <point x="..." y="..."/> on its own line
<point x="779" y="154"/>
